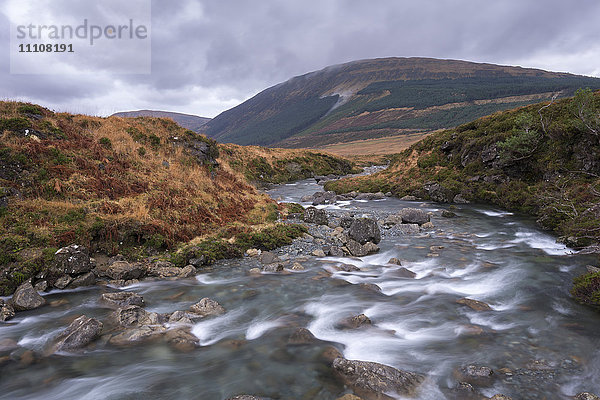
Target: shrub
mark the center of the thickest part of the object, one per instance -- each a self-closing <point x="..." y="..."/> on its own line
<point x="586" y="289"/>
<point x="14" y="124"/>
<point x="105" y="142"/>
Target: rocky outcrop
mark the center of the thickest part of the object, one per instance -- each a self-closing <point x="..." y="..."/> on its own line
<point x="122" y="299"/>
<point x="79" y="334"/>
<point x="207" y="307"/>
<point x="26" y="298"/>
<point x="315" y="216"/>
<point x="365" y="230"/>
<point x="372" y="380"/>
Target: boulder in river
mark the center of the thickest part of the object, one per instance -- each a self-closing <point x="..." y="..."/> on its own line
<point x="26" y="298"/>
<point x="365" y="230"/>
<point x="358" y="250"/>
<point x="123" y="270"/>
<point x="274" y="267"/>
<point x="246" y="397"/>
<point x="73" y="260"/>
<point x="6" y="311"/>
<point x="372" y="380"/>
<point x="88" y="279"/>
<point x="79" y="334"/>
<point x="315" y="216"/>
<point x="122" y="299"/>
<point x="414" y="216"/>
<point x="131" y="316"/>
<point x="165" y="269"/>
<point x="267" y="257"/>
<point x="138" y="334"/>
<point x="355" y="321"/>
<point x="207" y="307"/>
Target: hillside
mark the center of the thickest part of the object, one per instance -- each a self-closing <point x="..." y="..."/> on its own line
<point x="188" y="121"/>
<point x="542" y="159"/>
<point x="139" y="187"/>
<point x="384" y="97"/>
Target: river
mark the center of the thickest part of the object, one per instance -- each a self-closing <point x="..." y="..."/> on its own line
<point x="545" y="343"/>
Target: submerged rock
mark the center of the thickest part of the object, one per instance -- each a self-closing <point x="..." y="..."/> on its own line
<point x="301" y="336"/>
<point x="79" y="334"/>
<point x="122" y="299"/>
<point x="138" y="334"/>
<point x="372" y="380"/>
<point x="207" y="307"/>
<point x="26" y="298"/>
<point x="475" y="375"/>
<point x="474" y="304"/>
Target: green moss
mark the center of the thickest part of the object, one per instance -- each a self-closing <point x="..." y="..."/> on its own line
<point x="105" y="142"/>
<point x="14" y="124"/>
<point x="586" y="289"/>
<point x="293" y="208"/>
<point x="30" y="109"/>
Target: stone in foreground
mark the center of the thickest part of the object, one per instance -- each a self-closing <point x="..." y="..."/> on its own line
<point x="207" y="307"/>
<point x="26" y="298"/>
<point x="79" y="334"/>
<point x="374" y="381"/>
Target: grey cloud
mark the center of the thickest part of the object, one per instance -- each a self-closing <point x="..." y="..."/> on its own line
<point x="230" y="50"/>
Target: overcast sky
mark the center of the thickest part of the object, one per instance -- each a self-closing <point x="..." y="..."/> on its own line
<point x="210" y="55"/>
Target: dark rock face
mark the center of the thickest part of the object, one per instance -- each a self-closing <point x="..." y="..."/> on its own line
<point x="375" y="381"/>
<point x="6" y="311"/>
<point x="437" y="192"/>
<point x="122" y="299"/>
<point x="79" y="334"/>
<point x="73" y="260"/>
<point x="207" y="307"/>
<point x="26" y="298"/>
<point x="315" y="216"/>
<point x="365" y="230"/>
<point x="301" y="336"/>
<point x="414" y="216"/>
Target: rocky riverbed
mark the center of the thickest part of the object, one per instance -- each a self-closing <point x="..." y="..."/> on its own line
<point x="382" y="298"/>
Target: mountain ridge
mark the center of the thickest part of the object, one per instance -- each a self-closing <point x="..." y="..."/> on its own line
<point x="189" y="121"/>
<point x="380" y="97"/>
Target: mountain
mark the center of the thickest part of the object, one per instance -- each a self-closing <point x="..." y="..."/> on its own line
<point x="384" y="97"/>
<point x="188" y="121"/>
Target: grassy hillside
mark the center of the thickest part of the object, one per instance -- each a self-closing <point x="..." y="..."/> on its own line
<point x="542" y="159"/>
<point x="136" y="186"/>
<point x="188" y="121"/>
<point x="384" y="97"/>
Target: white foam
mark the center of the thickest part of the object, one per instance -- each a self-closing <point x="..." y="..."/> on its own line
<point x="257" y="329"/>
<point x="215" y="329"/>
<point x="206" y="279"/>
<point x="492" y="213"/>
<point x="542" y="242"/>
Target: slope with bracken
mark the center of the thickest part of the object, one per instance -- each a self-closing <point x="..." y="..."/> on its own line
<point x="131" y="186"/>
<point x="384" y="97"/>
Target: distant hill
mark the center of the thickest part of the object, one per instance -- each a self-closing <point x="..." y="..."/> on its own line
<point x="384" y="97"/>
<point x="191" y="122"/>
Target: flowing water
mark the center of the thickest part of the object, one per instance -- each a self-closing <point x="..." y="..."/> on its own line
<point x="548" y="342"/>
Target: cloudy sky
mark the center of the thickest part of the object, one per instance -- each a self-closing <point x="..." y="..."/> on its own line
<point x="210" y="55"/>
